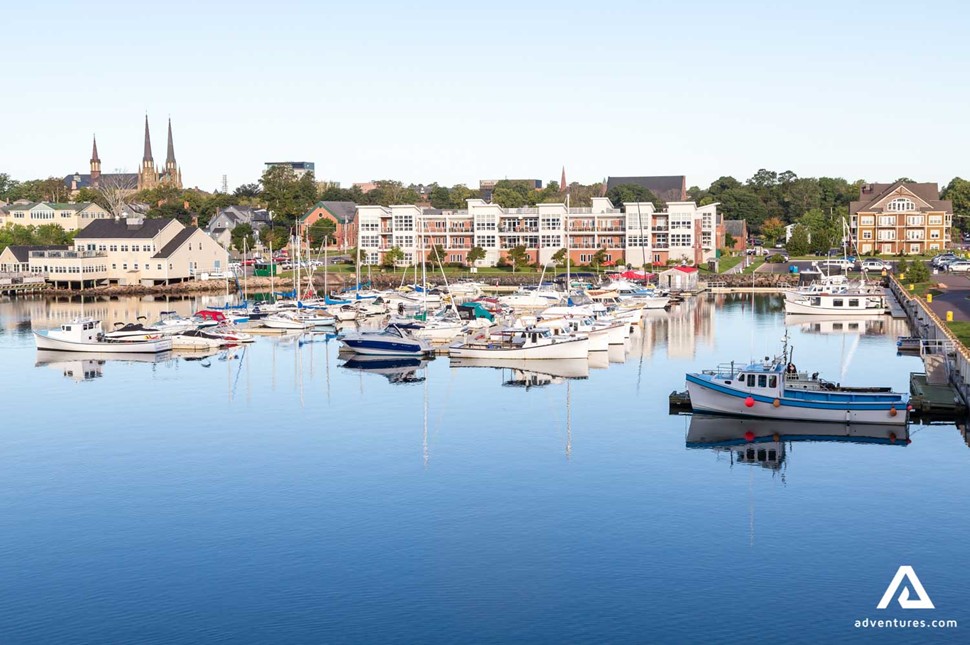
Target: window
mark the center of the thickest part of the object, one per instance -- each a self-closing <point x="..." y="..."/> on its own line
<point x="887" y="220"/>
<point x="681" y="239"/>
<point x="124" y="266"/>
<point x="867" y="220"/>
<point x="853" y="302"/>
<point x="934" y="234"/>
<point x="901" y="204"/>
<point x="551" y="222"/>
<point x="136" y="266"/>
<point x="114" y="266"/>
<point x="772" y="381"/>
<point x="762" y="380"/>
<point x="124" y="247"/>
<point x="887" y="235"/>
<point x="750" y="380"/>
<point x="486" y="241"/>
<point x="914" y="220"/>
<point x="159" y="267"/>
<point x="551" y="240"/>
<point x="403" y="222"/>
<point x="114" y="248"/>
<point x="838" y="302"/>
<point x="914" y="235"/>
<point x="867" y="235"/>
<point x="914" y="248"/>
<point x="370" y="240"/>
<point x="936" y="219"/>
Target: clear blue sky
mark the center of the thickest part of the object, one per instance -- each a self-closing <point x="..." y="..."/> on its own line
<point x="454" y="92"/>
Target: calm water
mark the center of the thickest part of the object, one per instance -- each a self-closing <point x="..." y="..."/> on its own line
<point x="273" y="495"/>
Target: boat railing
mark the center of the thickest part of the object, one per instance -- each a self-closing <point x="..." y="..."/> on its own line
<point x="724" y="370"/>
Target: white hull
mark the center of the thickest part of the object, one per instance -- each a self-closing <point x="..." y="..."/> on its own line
<point x="656" y="302"/>
<point x="796" y="307"/>
<point x="703" y="399"/>
<point x="194" y="342"/>
<point x="559" y="349"/>
<point x="122" y="347"/>
<point x="439" y="334"/>
<point x="280" y="323"/>
<point x="617" y="333"/>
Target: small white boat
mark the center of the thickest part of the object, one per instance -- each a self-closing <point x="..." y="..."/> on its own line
<point x="848" y="303"/>
<point x="86" y="335"/>
<point x="391" y="341"/>
<point x="285" y="320"/>
<point x="532" y="343"/>
<point x="196" y="339"/>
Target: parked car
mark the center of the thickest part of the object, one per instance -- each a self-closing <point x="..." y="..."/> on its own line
<point x="875" y="264"/>
<point x="958" y="266"/>
<point x="942" y="260"/>
<point x="248" y="262"/>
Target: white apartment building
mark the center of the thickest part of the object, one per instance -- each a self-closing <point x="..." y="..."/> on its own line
<point x="637" y="234"/>
<point x="70" y="217"/>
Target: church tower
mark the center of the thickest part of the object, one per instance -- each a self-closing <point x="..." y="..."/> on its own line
<point x="173" y="175"/>
<point x="95" y="165"/>
<point x="147" y="176"/>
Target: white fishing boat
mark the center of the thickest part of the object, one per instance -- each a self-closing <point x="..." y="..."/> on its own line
<point x="532" y="343"/>
<point x="847" y="303"/>
<point x="775" y="389"/>
<point x="86" y="335"/>
<point x="531" y="298"/>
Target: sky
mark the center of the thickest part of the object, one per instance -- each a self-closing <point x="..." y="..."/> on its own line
<point x="454" y="92"/>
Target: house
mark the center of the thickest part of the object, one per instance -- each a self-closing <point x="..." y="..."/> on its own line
<point x="902" y="217"/>
<point x="671" y="188"/>
<point x="227" y="218"/>
<point x="342" y="214"/>
<point x="131" y="251"/>
<point x="16" y="258"/>
<point x="738" y="230"/>
<point x="70" y="217"/>
<point x="681" y="278"/>
<point x="299" y="168"/>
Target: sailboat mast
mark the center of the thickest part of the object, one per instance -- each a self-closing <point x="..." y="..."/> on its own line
<point x="568" y="278"/>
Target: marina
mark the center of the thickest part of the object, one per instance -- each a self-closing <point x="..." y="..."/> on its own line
<point x="291" y="439"/>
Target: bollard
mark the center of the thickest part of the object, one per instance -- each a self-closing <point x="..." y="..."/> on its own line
<point x="902" y="276"/>
<point x="949" y="316"/>
<point x="912" y="287"/>
<point x="929" y="297"/>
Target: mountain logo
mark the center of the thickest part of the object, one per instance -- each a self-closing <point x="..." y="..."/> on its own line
<point x="912" y="581"/>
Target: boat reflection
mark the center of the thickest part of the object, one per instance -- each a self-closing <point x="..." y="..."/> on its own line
<point x="762" y="441"/>
<point x="528" y="374"/>
<point x="397" y="369"/>
<point x="88" y="366"/>
<point x="874" y="325"/>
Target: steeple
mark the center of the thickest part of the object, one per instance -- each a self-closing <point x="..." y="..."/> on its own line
<point x="147" y="157"/>
<point x="95" y="164"/>
<point x="170" y="157"/>
<point x="562" y="184"/>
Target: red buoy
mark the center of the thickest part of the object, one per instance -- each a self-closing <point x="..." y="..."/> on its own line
<point x="892" y="437"/>
<point x="749" y="436"/>
<point x="892" y="412"/>
<point x="749" y="402"/>
<point x="909" y="408"/>
<point x="776" y="403"/>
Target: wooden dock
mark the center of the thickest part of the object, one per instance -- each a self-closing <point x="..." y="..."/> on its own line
<point x="895" y="309"/>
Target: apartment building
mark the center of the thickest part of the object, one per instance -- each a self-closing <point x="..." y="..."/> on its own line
<point x="902" y="217"/>
<point x="70" y="217"/>
<point x="636" y="234"/>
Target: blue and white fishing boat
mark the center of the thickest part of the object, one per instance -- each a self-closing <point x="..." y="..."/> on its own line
<point x="775" y="389"/>
<point x="391" y="341"/>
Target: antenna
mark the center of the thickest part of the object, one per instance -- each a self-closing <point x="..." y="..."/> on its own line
<point x="225" y="185"/>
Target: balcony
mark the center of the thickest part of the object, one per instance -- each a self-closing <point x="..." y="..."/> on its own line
<point x="660" y="228"/>
<point x="68" y="255"/>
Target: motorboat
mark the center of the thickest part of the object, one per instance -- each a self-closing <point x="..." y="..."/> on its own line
<point x="390" y="341"/>
<point x="86" y="335"/>
<point x="196" y="339"/>
<point x="285" y="320"/>
<point x="531" y="343"/>
<point x="847" y="303"/>
<point x="776" y="389"/>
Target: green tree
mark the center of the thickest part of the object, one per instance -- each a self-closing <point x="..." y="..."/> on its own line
<point x="436" y="255"/>
<point x="322" y="232"/>
<point x="559" y="257"/>
<point x="475" y="254"/>
<point x="7" y="185"/>
<point x="517" y="256"/>
<point x="459" y="194"/>
<point x="729" y="241"/>
<point x="772" y="229"/>
<point x="440" y="197"/>
<point x="743" y="203"/>
<point x="918" y="272"/>
<point x="88" y="194"/>
<point x="598" y="258"/>
<point x="243" y="236"/>
<point x="248" y="191"/>
<point x="392" y="256"/>
<point x="958" y="192"/>
<point x="287" y="196"/>
<point x="798" y="244"/>
<point x="633" y="193"/>
<point x="509" y="197"/>
<point x="275" y="236"/>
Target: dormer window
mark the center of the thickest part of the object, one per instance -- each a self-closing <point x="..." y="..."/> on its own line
<point x="901" y="204"/>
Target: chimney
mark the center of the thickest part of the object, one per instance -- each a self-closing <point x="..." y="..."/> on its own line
<point x="195" y="221"/>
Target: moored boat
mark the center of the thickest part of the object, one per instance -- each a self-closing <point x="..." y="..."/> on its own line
<point x="86" y="335"/>
<point x="531" y="343"/>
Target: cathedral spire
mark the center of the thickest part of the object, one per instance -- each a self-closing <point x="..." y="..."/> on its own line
<point x="170" y="157"/>
<point x="94" y="150"/>
<point x="95" y="163"/>
<point x="148" y="144"/>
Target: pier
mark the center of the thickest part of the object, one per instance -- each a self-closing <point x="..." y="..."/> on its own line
<point x="16" y="284"/>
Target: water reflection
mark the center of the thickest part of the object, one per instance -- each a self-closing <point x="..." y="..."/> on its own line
<point x="397" y="369"/>
<point x="528" y="374"/>
<point x="89" y="366"/>
<point x="876" y="325"/>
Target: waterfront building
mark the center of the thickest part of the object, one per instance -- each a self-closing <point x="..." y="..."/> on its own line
<point x="738" y="229"/>
<point x="299" y="168"/>
<point x="131" y="251"/>
<point x="70" y="217"/>
<point x="146" y="177"/>
<point x="670" y="188"/>
<point x="902" y="217"/>
<point x="637" y="234"/>
<point x="16" y="257"/>
<point x="342" y="214"/>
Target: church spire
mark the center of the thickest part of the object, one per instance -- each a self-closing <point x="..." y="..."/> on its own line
<point x="95" y="163"/>
<point x="562" y="184"/>
<point x="170" y="157"/>
<point x="94" y="150"/>
<point x="148" y="145"/>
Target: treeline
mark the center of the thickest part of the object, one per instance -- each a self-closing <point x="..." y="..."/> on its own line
<point x="45" y="234"/>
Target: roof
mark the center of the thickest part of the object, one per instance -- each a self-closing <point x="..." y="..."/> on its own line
<point x="735" y="227"/>
<point x="22" y="251"/>
<point x="671" y="188"/>
<point x="177" y="241"/>
<point x="929" y="192"/>
<point x="344" y="212"/>
<point x="84" y="181"/>
<point x="121" y="229"/>
<point x="58" y="206"/>
<point x="682" y="269"/>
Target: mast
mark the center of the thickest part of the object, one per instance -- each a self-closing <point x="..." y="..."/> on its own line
<point x="568" y="278"/>
<point x="424" y="268"/>
<point x="272" y="271"/>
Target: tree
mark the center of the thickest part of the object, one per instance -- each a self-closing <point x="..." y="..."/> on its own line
<point x="772" y="229"/>
<point x="392" y="256"/>
<point x="248" y="190"/>
<point x="743" y="203"/>
<point x="287" y="196"/>
<point x="918" y="272"/>
<point x="508" y="197"/>
<point x="559" y="257"/>
<point x="436" y="255"/>
<point x="322" y="232"/>
<point x="517" y="256"/>
<point x="798" y="244"/>
<point x="275" y="236"/>
<point x="116" y="189"/>
<point x="88" y="194"/>
<point x="958" y="192"/>
<point x="475" y="254"/>
<point x="634" y="193"/>
<point x="598" y="258"/>
<point x="7" y="186"/>
<point x="440" y="197"/>
<point x="729" y="241"/>
<point x="243" y="236"/>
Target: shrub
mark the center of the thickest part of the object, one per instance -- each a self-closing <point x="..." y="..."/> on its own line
<point x="777" y="258"/>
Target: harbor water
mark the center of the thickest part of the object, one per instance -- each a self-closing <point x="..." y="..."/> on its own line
<point x="278" y="493"/>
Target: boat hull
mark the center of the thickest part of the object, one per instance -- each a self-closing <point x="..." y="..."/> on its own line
<point x="121" y="347"/>
<point x="708" y="397"/>
<point x="369" y="347"/>
<point x="563" y="349"/>
<point x="797" y="307"/>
